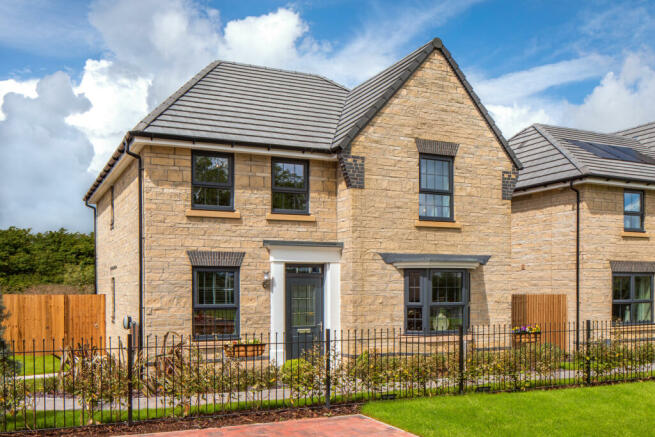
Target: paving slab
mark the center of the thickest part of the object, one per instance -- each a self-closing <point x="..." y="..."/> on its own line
<point x="353" y="425"/>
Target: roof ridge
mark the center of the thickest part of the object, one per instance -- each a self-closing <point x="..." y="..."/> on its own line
<point x="304" y="73"/>
<point x="580" y="130"/>
<point x="421" y="55"/>
<point x="145" y="122"/>
<point x="541" y="128"/>
<point x="619" y="132"/>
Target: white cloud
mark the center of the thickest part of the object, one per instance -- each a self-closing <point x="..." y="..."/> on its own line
<point x="26" y="88"/>
<point x="117" y="102"/>
<point x="44" y="160"/>
<point x="623" y="99"/>
<point x="624" y="96"/>
<point x="511" y="87"/>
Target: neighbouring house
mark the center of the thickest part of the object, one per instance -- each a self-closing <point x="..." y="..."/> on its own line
<point x="609" y="179"/>
<point x="257" y="200"/>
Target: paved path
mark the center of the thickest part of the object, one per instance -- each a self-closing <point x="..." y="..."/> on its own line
<point x="356" y="425"/>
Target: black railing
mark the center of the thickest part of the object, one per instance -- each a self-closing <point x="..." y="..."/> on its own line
<point x="54" y="386"/>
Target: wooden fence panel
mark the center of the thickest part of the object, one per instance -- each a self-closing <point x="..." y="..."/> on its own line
<point x="546" y="310"/>
<point x="55" y="320"/>
<point x="85" y="319"/>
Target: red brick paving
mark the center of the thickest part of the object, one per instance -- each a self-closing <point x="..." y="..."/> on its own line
<point x="356" y="425"/>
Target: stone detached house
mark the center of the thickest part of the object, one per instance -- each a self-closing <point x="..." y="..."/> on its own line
<point x="270" y="201"/>
<point x="583" y="217"/>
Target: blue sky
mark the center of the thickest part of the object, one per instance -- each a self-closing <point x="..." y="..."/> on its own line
<point x="76" y="75"/>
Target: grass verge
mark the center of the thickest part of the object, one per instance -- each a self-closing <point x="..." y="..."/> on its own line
<point x="622" y="409"/>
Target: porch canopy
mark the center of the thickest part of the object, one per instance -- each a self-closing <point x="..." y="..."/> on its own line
<point x="434" y="261"/>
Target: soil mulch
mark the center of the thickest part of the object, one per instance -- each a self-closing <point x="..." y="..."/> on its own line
<point x="177" y="424"/>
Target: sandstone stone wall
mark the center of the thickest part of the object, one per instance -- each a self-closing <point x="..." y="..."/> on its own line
<point x="170" y="233"/>
<point x="381" y="217"/>
<point x="118" y="251"/>
<point x="543" y="245"/>
<point x="602" y="242"/>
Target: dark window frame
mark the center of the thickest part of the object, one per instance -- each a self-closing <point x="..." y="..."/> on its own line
<point x="632" y="299"/>
<point x="236" y="305"/>
<point x="304" y="190"/>
<point x="641" y="214"/>
<point x="222" y="186"/>
<point x="451" y="192"/>
<point x="111" y="223"/>
<point x="426" y="300"/>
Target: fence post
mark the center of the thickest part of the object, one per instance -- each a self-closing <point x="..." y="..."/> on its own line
<point x="587" y="351"/>
<point x="327" y="368"/>
<point x="461" y="359"/>
<point x="130" y="364"/>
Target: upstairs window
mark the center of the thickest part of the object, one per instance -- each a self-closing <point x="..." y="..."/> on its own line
<point x="633" y="210"/>
<point x="212" y="176"/>
<point x="215" y="303"/>
<point x="632" y="298"/>
<point x="436" y="188"/>
<point x="290" y="186"/>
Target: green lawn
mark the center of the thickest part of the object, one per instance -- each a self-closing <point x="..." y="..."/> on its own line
<point x="38" y="364"/>
<point x="622" y="409"/>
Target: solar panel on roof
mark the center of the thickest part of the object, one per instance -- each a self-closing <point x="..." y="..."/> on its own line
<point x="619" y="153"/>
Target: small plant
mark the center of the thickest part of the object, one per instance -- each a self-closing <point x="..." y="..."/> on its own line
<point x="526" y="329"/>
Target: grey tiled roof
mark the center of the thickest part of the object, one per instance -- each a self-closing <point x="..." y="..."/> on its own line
<point x="251" y="105"/>
<point x="644" y="133"/>
<point x="549" y="154"/>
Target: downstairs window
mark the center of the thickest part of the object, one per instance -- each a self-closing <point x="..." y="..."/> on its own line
<point x="436" y="301"/>
<point x="215" y="303"/>
<point x="632" y="298"/>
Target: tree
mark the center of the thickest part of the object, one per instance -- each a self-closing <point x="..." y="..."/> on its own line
<point x="14" y="394"/>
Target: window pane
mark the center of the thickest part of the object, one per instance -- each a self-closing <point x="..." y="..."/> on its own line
<point x="211" y="196"/>
<point x="290" y="201"/>
<point x="289" y="175"/>
<point x="632" y="202"/>
<point x="302" y="305"/>
<point x="446" y="287"/>
<point x="434" y="205"/>
<point x="414" y="319"/>
<point x="216" y="288"/>
<point x="621" y="287"/>
<point x="317" y="269"/>
<point x="642" y="312"/>
<point x="445" y="319"/>
<point x="435" y="174"/>
<point x="214" y="322"/>
<point x="632" y="222"/>
<point x="621" y="312"/>
<point x="642" y="287"/>
<point x="414" y="294"/>
<point x="213" y="169"/>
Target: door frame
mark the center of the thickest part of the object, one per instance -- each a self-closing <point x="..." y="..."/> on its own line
<point x="283" y="252"/>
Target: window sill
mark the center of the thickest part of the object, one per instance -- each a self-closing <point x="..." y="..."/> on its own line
<point x="628" y="234"/>
<point x="290" y="217"/>
<point x="213" y="213"/>
<point x="436" y="224"/>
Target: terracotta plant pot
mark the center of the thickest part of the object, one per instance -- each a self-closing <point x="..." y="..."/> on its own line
<point x="244" y="350"/>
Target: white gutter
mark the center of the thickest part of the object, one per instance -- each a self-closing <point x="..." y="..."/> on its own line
<point x="115" y="172"/>
<point x="251" y="150"/>
<point x="589" y="181"/>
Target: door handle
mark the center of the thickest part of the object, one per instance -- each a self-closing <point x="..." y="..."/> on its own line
<point x="320" y="327"/>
